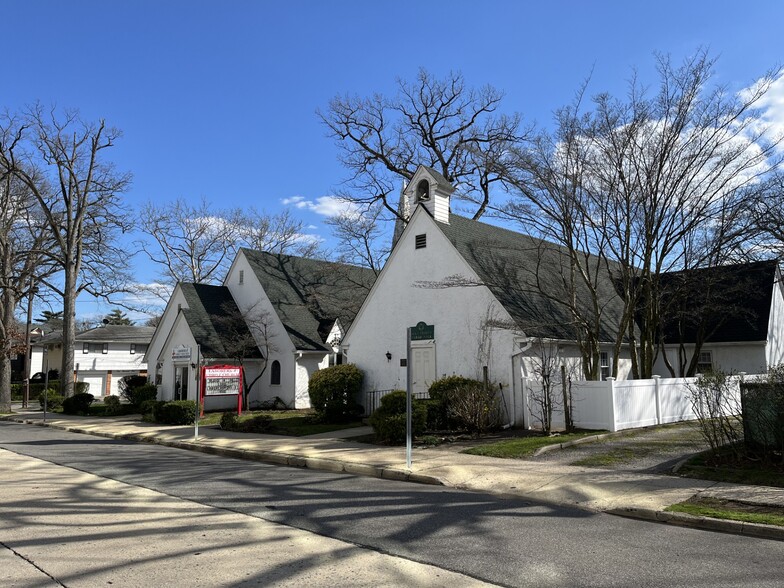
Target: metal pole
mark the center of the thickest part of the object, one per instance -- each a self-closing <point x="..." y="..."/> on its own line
<point x="409" y="392"/>
<point x="198" y="393"/>
<point x="46" y="378"/>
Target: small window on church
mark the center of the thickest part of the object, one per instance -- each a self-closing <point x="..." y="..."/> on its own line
<point x="420" y="241"/>
<point x="423" y="191"/>
<point x="242" y="277"/>
<point x="275" y="373"/>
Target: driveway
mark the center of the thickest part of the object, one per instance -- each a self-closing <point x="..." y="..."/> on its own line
<point x="650" y="450"/>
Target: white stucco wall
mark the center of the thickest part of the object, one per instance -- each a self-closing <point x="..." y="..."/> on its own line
<point x="251" y="295"/>
<point x="155" y="351"/>
<point x="457" y="313"/>
<point x="774" y="352"/>
<point x="727" y="357"/>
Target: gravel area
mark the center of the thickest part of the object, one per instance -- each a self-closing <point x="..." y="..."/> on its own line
<point x="654" y="450"/>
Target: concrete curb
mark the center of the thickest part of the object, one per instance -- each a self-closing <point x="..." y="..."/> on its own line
<point x="264" y="456"/>
<point x="705" y="523"/>
<point x="389" y="473"/>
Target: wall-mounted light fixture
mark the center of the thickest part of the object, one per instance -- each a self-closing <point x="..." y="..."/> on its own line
<point x="389" y="356"/>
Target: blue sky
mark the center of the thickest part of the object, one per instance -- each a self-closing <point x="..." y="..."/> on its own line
<point x="218" y="99"/>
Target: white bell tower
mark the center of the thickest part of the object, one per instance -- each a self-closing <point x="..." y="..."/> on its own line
<point x="430" y="189"/>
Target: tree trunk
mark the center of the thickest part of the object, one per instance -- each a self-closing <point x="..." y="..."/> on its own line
<point x="8" y="302"/>
<point x="69" y="331"/>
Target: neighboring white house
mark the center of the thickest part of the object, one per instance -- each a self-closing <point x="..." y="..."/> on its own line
<point x="296" y="309"/>
<point x="734" y="312"/>
<point x="101" y="356"/>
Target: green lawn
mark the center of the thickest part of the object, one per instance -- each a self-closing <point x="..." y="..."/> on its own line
<point x="522" y="447"/>
<point x="727" y="468"/>
<point x="724" y="509"/>
<point x="295" y="423"/>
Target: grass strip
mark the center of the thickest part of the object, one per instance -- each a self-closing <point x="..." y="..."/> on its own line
<point x="734" y="511"/>
<point x="523" y="447"/>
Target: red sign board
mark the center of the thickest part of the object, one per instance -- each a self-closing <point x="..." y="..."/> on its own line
<point x="221" y="380"/>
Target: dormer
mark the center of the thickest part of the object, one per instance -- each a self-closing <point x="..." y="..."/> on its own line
<point x="431" y="190"/>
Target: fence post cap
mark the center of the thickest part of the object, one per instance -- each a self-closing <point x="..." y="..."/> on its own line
<point x="655" y="377"/>
<point x="610" y="379"/>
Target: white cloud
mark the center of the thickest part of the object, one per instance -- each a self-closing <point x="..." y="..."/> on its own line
<point x="323" y="205"/>
<point x="771" y="107"/>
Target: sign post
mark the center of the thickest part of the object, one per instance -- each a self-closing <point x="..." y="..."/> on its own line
<point x="409" y="433"/>
<point x="199" y="407"/>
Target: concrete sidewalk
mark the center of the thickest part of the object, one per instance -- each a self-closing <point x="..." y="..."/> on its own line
<point x="633" y="494"/>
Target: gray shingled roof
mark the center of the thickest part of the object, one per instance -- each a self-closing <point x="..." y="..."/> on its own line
<point x="117" y="333"/>
<point x="310" y="295"/>
<point x="206" y="305"/>
<point x="727" y="303"/>
<point x="510" y="263"/>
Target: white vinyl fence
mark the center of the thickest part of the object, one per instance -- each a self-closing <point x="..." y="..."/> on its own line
<point x="616" y="405"/>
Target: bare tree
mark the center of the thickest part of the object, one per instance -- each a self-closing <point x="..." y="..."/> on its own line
<point x="274" y="233"/>
<point x="646" y="185"/>
<point x="248" y="335"/>
<point x="191" y="243"/>
<point x="60" y="160"/>
<point x="359" y="238"/>
<point x="546" y="368"/>
<point x="441" y="123"/>
<point x="21" y="240"/>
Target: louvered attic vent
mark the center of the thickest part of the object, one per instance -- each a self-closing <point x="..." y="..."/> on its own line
<point x="420" y="241"/>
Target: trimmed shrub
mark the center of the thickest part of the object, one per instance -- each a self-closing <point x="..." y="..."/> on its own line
<point x="389" y="420"/>
<point x="176" y="412"/>
<point x="333" y="393"/>
<point x="78" y="403"/>
<point x="150" y="409"/>
<point x="112" y="404"/>
<point x="83" y="388"/>
<point x="53" y="399"/>
<point x="440" y="414"/>
<point x="136" y="389"/>
<point x="228" y="421"/>
<point x="129" y="383"/>
<point x="137" y="396"/>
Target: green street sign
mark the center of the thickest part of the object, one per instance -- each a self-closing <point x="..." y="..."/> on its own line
<point x="423" y="332"/>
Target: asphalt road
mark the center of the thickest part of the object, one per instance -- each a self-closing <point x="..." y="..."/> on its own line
<point x="506" y="542"/>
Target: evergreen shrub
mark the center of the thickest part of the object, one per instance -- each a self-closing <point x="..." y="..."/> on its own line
<point x="389" y="420"/>
<point x="333" y="392"/>
<point x="79" y="403"/>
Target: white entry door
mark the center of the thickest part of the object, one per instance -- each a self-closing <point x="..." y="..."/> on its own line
<point x="424" y="368"/>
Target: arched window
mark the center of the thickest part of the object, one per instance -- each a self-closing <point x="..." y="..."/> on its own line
<point x="275" y="373"/>
<point x="423" y="191"/>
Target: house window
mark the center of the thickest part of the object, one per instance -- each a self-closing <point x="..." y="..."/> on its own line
<point x="95" y="348"/>
<point x="420" y="241"/>
<point x="705" y="362"/>
<point x="242" y="277"/>
<point x="604" y="364"/>
<point x="138" y="348"/>
<point x="275" y="373"/>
